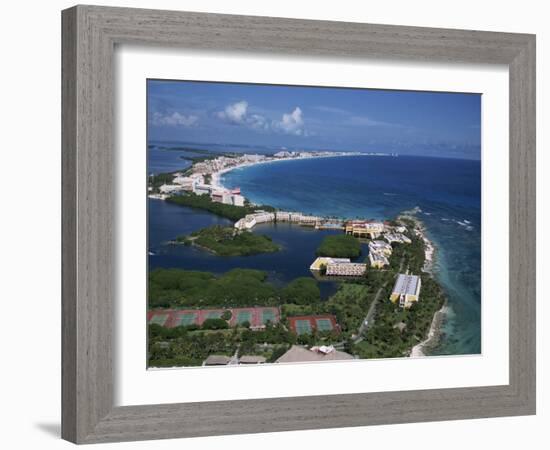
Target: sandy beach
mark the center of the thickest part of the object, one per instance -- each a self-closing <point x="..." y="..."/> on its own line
<point x="216" y="176"/>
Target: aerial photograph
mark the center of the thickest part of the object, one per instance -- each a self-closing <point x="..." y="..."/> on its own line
<point x="302" y="224"/>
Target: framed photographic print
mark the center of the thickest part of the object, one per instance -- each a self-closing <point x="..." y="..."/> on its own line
<point x="265" y="229"/>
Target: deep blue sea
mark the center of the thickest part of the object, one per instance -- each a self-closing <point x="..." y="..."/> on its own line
<point x="448" y="192"/>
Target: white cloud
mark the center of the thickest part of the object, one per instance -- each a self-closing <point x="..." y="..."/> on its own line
<point x="174" y="119"/>
<point x="235" y="113"/>
<point x="292" y="123"/>
<point x="238" y="113"/>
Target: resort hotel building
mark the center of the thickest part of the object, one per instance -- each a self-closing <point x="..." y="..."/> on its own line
<point x="406" y="290"/>
<point x="380" y="247"/>
<point x="251" y="220"/>
<point x="338" y="267"/>
<point x="379" y="251"/>
<point x="378" y="260"/>
<point x="227" y="197"/>
<point x="364" y="229"/>
<point x="346" y="269"/>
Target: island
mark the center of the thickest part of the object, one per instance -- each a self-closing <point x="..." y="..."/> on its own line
<point x="340" y="246"/>
<point x="227" y="241"/>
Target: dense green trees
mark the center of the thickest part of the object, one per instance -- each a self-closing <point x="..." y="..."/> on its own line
<point x="215" y="324"/>
<point x="204" y="202"/>
<point x="177" y="288"/>
<point x="179" y="347"/>
<point x="183" y="288"/>
<point x="227" y="241"/>
<point x="301" y="291"/>
<point x="340" y="246"/>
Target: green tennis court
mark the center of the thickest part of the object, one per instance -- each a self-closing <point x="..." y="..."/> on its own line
<point x="187" y="319"/>
<point x="324" y="324"/>
<point x="303" y="327"/>
<point x="268" y="315"/>
<point x="244" y="316"/>
<point x="214" y="315"/>
<point x="159" y="319"/>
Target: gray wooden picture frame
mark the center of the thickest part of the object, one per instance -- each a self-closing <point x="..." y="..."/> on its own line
<point x="90" y="34"/>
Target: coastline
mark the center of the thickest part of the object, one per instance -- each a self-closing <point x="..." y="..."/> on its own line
<point x="216" y="176"/>
<point x="434" y="334"/>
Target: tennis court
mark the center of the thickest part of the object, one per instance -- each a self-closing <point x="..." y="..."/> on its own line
<point x="244" y="316"/>
<point x="324" y="324"/>
<point x="159" y="319"/>
<point x="268" y="315"/>
<point x="214" y="315"/>
<point x="186" y="319"/>
<point x="303" y="326"/>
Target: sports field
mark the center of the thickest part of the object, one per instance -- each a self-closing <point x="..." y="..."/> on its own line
<point x="303" y="326"/>
<point x="310" y="324"/>
<point x="257" y="317"/>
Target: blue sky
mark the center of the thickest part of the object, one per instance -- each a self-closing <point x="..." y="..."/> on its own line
<point x="405" y="122"/>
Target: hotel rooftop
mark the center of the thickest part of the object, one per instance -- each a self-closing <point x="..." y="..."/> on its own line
<point x="406" y="284"/>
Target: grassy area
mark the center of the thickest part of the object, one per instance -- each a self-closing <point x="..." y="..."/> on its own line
<point x="226" y="241"/>
<point x="204" y="202"/>
<point x="350" y="305"/>
<point x="340" y="246"/>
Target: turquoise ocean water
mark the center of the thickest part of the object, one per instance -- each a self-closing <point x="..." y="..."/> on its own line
<point x="447" y="192"/>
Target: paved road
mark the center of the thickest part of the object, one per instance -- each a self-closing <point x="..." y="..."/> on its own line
<point x="369" y="317"/>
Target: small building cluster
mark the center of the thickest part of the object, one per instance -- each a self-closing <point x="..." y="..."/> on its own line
<point x="406" y="290"/>
<point x="379" y="252"/>
<point x="338" y="267"/>
<point x="195" y="183"/>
